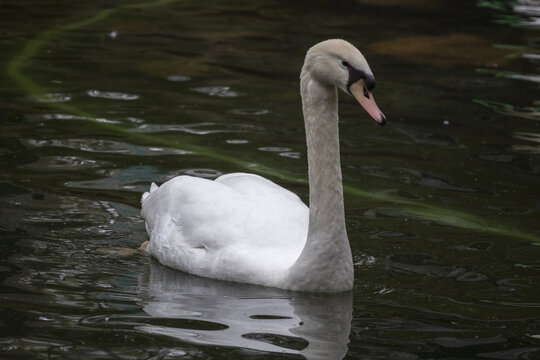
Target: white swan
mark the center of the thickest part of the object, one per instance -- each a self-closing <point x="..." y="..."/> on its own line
<point x="245" y="228"/>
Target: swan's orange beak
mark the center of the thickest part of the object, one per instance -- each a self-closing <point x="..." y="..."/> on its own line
<point x="365" y="98"/>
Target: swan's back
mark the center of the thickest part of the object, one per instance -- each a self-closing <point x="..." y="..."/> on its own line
<point x="239" y="227"/>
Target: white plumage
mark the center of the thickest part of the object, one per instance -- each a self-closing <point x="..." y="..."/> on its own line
<point x="226" y="228"/>
<point x="245" y="228"/>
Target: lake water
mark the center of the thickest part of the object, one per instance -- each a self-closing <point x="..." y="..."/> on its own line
<point x="100" y="98"/>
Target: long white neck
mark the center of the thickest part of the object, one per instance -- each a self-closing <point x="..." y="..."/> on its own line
<point x="325" y="263"/>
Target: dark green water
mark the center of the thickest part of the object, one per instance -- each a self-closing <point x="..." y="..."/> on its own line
<point x="100" y="98"/>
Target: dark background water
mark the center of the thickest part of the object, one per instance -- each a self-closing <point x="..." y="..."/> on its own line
<point x="100" y="98"/>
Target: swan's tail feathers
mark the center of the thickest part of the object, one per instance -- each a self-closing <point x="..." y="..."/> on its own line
<point x="153" y="188"/>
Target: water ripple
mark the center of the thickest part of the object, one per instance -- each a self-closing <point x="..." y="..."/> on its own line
<point x="250" y="112"/>
<point x="134" y="178"/>
<point x="178" y="78"/>
<point x="76" y="117"/>
<point x="418" y="177"/>
<point x="282" y="151"/>
<point x="111" y="95"/>
<point x="203" y="128"/>
<point x="424" y="136"/>
<point x="531" y="137"/>
<point x="530" y="9"/>
<point x="221" y="91"/>
<point x="427" y="265"/>
<point x="105" y="146"/>
<point x="517" y="353"/>
<point x="204" y="173"/>
<point x="530" y="78"/>
<point x="51" y="98"/>
<point x="65" y="163"/>
<point x="237" y="141"/>
<point x="526" y="112"/>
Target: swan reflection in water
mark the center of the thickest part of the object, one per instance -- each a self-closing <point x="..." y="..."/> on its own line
<point x="220" y="313"/>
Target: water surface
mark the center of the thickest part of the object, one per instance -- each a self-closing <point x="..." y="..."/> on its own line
<point x="442" y="204"/>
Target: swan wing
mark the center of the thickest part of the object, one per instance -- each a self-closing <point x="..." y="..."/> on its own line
<point x="239" y="227"/>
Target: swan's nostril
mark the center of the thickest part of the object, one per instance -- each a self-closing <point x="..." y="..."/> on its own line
<point x="366" y="93"/>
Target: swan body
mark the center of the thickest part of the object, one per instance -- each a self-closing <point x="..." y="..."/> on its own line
<point x="226" y="228"/>
<point x="244" y="228"/>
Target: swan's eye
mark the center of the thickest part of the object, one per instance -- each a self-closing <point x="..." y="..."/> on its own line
<point x="345" y="64"/>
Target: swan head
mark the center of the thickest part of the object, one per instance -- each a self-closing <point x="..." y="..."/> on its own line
<point x="338" y="63"/>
